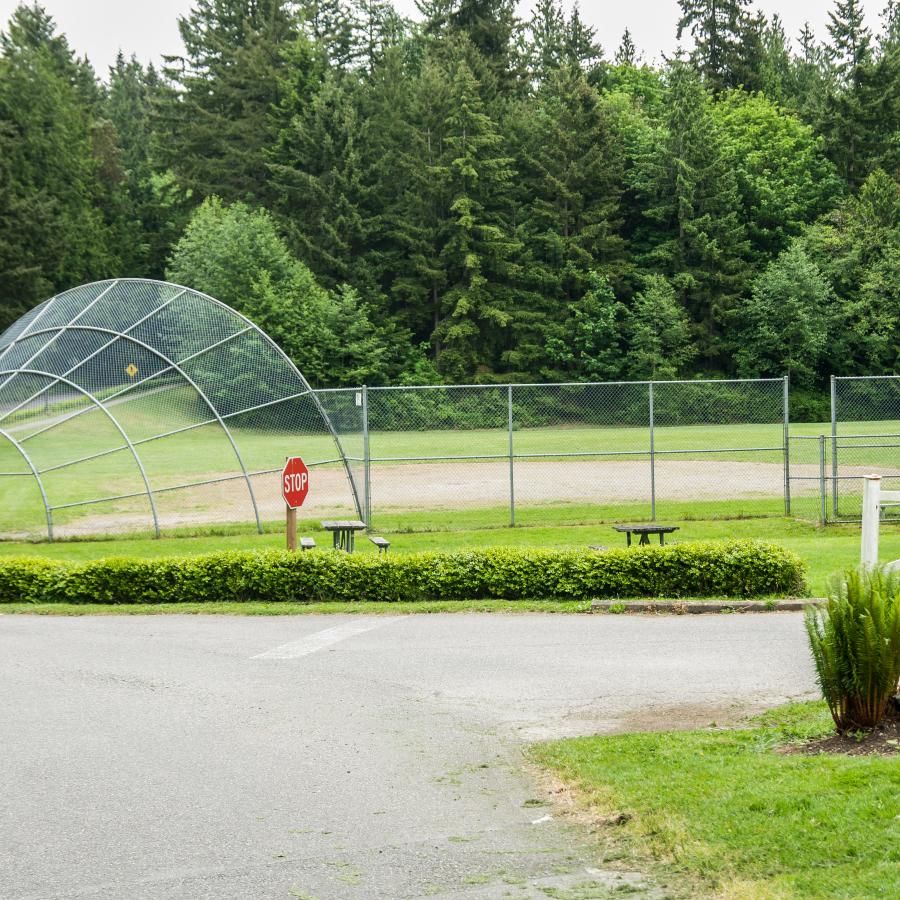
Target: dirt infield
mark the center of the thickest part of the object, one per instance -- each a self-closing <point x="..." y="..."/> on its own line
<point x="458" y="485"/>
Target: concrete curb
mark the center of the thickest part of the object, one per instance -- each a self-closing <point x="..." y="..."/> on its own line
<point x="695" y="607"/>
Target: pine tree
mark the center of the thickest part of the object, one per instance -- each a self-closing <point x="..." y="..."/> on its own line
<point x="890" y="33"/>
<point x="216" y="125"/>
<point x="478" y="248"/>
<point x="315" y="169"/>
<point x="59" y="172"/>
<point x="851" y="41"/>
<point x="627" y="54"/>
<point x="716" y="26"/>
<point x="547" y="33"/>
<point x="582" y="47"/>
<point x="330" y="24"/>
<point x="693" y="232"/>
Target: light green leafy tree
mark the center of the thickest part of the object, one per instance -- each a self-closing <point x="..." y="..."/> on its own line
<point x="657" y="333"/>
<point x="781" y="328"/>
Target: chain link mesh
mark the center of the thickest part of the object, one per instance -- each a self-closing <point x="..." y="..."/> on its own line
<point x="139" y="406"/>
<point x="511" y="454"/>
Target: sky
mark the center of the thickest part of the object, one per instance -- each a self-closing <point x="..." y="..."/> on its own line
<point x="99" y="28"/>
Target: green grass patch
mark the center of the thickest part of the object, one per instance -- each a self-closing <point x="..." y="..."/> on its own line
<point x="825" y="550"/>
<point x="739" y="819"/>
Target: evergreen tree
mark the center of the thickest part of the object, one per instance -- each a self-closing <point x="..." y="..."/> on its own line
<point x="582" y="47"/>
<point x="478" y="248"/>
<point x="658" y="334"/>
<point x="693" y="232"/>
<point x="853" y="248"/>
<point x="215" y="123"/>
<point x="547" y="32"/>
<point x="851" y="41"/>
<point x="716" y="27"/>
<point x="316" y="182"/>
<point x="627" y="54"/>
<point x="56" y="155"/>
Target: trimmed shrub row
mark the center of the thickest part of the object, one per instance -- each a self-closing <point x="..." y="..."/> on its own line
<point x="730" y="569"/>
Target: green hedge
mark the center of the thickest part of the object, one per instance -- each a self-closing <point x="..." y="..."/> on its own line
<point x="725" y="568"/>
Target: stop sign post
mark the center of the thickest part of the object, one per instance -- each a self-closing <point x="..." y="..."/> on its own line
<point x="294" y="488"/>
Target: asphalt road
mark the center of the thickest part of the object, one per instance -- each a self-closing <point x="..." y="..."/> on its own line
<point x="337" y="757"/>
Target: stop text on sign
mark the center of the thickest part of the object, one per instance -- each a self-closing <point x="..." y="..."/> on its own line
<point x="294" y="482"/>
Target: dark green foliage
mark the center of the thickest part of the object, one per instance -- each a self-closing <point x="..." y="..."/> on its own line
<point x="855" y="643"/>
<point x="692" y="232"/>
<point x="735" y="568"/>
<point x="476" y="198"/>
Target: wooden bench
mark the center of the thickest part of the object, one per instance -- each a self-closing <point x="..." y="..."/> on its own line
<point x="307" y="543"/>
<point x="381" y="544"/>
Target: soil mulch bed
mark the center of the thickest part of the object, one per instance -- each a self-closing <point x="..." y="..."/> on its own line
<point x="883" y="740"/>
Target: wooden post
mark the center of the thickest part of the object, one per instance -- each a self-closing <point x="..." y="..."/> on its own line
<point x="291" y="521"/>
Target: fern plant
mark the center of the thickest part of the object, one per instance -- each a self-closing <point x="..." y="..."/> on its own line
<point x="855" y="643"/>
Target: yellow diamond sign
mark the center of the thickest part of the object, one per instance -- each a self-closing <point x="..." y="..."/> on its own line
<point x="131" y="370"/>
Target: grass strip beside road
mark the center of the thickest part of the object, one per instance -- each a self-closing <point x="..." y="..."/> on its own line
<point x="736" y="818"/>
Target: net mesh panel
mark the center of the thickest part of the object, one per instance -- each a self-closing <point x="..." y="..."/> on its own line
<point x="146" y="394"/>
<point x="867" y="442"/>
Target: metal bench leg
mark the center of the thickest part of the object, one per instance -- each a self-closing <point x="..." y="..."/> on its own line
<point x="645" y="539"/>
<point x="662" y="540"/>
<point x="628" y="538"/>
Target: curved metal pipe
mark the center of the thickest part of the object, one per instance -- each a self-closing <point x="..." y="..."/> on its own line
<point x="111" y="418"/>
<point x="37" y="476"/>
<point x="175" y="367"/>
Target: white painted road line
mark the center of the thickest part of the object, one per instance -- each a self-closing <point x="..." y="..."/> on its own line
<point x="321" y="639"/>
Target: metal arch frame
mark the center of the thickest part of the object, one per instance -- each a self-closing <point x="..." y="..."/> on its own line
<point x="176" y="367"/>
<point x="173" y="366"/>
<point x="111" y="417"/>
<point x="37" y="477"/>
<point x="254" y="327"/>
<point x="28" y="332"/>
<point x="57" y="330"/>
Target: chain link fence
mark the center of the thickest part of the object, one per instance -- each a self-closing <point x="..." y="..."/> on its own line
<point x="144" y="407"/>
<point x="863" y="439"/>
<point x="492" y="455"/>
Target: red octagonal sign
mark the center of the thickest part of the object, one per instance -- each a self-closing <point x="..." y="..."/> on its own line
<point x="294" y="482"/>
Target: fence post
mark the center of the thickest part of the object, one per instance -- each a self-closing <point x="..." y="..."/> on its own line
<point x="834" y="453"/>
<point x="823" y="496"/>
<point x="652" y="458"/>
<point x="512" y="479"/>
<point x="787" y="445"/>
<point x="871" y="514"/>
<point x="367" y="474"/>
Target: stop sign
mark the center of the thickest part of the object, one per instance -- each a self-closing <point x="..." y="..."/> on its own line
<point x="294" y="482"/>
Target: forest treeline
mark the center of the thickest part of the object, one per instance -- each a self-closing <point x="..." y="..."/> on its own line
<point x="474" y="197"/>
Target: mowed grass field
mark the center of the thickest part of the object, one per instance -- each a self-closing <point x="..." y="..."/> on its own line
<point x="109" y="468"/>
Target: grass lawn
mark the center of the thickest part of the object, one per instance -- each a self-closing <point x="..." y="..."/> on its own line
<point x="732" y="817"/>
<point x="825" y="551"/>
<point x="205" y="452"/>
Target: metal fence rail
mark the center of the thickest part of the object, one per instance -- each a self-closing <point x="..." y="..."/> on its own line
<point x="518" y="453"/>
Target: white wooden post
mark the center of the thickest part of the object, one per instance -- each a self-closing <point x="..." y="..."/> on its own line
<point x="871" y="514"/>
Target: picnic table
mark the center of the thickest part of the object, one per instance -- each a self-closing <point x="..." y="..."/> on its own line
<point x="343" y="532"/>
<point x="645" y="531"/>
